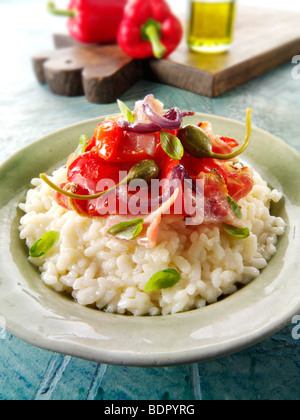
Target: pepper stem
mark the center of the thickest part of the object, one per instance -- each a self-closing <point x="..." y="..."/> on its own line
<point x="146" y="169"/>
<point x="151" y="31"/>
<point x="241" y="149"/>
<point x="78" y="196"/>
<point x="60" y="12"/>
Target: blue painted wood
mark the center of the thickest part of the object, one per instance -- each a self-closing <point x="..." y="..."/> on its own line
<point x="268" y="370"/>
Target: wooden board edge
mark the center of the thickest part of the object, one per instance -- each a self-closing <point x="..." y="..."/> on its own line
<point x="188" y="78"/>
<point x="106" y="90"/>
<point x="254" y="67"/>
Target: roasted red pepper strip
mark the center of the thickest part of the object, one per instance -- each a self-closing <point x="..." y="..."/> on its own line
<point x="148" y="29"/>
<point x="231" y="142"/>
<point x="92" y="21"/>
<point x="108" y="135"/>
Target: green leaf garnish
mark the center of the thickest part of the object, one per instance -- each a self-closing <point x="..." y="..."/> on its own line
<point x="125" y="111"/>
<point x="163" y="280"/>
<point x="127" y="230"/>
<point x="235" y="207"/>
<point x="236" y="232"/>
<point x="171" y="145"/>
<point x="44" y="244"/>
<point x="81" y="146"/>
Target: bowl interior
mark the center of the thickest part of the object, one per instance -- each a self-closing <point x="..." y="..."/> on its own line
<point x="50" y="320"/>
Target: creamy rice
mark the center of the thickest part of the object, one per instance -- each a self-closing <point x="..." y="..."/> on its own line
<point x="111" y="274"/>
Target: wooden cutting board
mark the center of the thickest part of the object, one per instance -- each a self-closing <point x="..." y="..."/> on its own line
<point x="264" y="39"/>
<point x="102" y="73"/>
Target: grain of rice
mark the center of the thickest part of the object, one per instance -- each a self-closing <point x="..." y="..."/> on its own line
<point x="111" y="274"/>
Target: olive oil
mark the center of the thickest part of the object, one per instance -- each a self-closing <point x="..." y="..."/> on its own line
<point x="211" y="25"/>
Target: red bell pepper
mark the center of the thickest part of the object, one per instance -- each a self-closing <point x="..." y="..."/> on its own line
<point x="92" y="21"/>
<point x="148" y="29"/>
<point x="108" y="135"/>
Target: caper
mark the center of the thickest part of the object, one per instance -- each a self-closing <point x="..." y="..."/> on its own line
<point x="197" y="143"/>
<point x="146" y="169"/>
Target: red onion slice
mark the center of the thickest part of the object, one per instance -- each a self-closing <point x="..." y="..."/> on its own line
<point x="169" y="121"/>
<point x="137" y="127"/>
<point x="187" y="113"/>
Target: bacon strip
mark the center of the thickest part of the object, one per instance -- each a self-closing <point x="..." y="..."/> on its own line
<point x="153" y="220"/>
<point x="216" y="206"/>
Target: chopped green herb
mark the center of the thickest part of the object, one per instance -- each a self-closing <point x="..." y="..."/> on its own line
<point x="239" y="163"/>
<point x="127" y="230"/>
<point x="235" y="207"/>
<point x="44" y="244"/>
<point x="236" y="232"/>
<point x="125" y="111"/>
<point x="81" y="146"/>
<point x="171" y="145"/>
<point x="163" y="280"/>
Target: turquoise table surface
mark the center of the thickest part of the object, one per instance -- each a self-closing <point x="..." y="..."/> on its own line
<point x="268" y="370"/>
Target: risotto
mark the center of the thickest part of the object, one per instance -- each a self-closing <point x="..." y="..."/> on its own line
<point x="109" y="273"/>
<point x="112" y="274"/>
